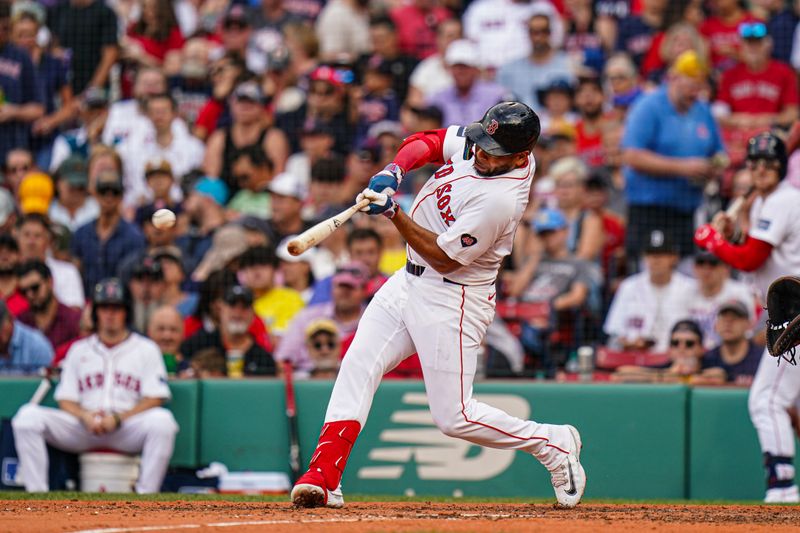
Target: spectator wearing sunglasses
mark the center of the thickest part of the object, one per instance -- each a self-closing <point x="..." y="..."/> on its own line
<point x="18" y="163"/>
<point x="735" y="358"/>
<point x="721" y="30"/>
<point x="58" y="322"/>
<point x="760" y="91"/>
<point x="101" y="244"/>
<point x="324" y="346"/>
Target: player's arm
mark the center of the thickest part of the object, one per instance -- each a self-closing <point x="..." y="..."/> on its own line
<point x="143" y="405"/>
<point x="748" y="256"/>
<point x="424" y="243"/>
<point x="415" y="151"/>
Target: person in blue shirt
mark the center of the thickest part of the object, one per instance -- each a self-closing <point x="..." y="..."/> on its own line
<point x="670" y="146"/>
<point x="101" y="244"/>
<point x="23" y="350"/>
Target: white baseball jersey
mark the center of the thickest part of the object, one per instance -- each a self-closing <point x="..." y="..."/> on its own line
<point x="475" y="216"/>
<point x="775" y="220"/>
<point x="112" y="379"/>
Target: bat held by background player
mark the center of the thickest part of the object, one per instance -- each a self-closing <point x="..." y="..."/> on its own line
<point x="318" y="233"/>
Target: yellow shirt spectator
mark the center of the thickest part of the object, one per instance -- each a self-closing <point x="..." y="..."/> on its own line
<point x="277" y="308"/>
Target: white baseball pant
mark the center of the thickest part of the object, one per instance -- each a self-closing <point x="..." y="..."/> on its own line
<point x="445" y="324"/>
<point x="151" y="433"/>
<point x="775" y="388"/>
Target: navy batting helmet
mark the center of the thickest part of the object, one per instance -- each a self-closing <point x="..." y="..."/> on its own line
<point x="768" y="146"/>
<point x="110" y="291"/>
<point x="505" y="129"/>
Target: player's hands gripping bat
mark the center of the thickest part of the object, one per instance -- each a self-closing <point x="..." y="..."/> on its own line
<point x="318" y="233"/>
<point x="783" y="325"/>
<point x="379" y="203"/>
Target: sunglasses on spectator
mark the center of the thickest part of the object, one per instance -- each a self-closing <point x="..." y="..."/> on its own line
<point x="30" y="288"/>
<point x="238" y="26"/>
<point x="323" y="91"/>
<point x="687" y="343"/>
<point x="539" y="31"/>
<point x="753" y="164"/>
<point x="706" y="262"/>
<point x="18" y="169"/>
<point x="318" y="345"/>
<point x="753" y="30"/>
<point x="114" y="190"/>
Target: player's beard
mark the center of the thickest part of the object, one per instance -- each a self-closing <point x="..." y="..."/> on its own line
<point x="495" y="172"/>
<point x="41" y="307"/>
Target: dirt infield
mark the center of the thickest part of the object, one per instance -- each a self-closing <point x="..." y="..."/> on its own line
<point x="120" y="516"/>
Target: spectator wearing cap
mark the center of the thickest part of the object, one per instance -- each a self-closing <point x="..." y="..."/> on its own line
<point x="100" y="245"/>
<point x="431" y="76"/>
<point x="52" y="79"/>
<point x="146" y="286"/>
<point x="735" y="357"/>
<point x="176" y="146"/>
<point x="759" y="91"/>
<point x="73" y="206"/>
<point x="252" y="171"/>
<point x="711" y="287"/>
<point x="470" y="96"/>
<point x="250" y="132"/>
<point x="387" y="56"/>
<point x="316" y="142"/>
<point x="35" y="193"/>
<point x="22" y="103"/>
<point x="636" y="31"/>
<point x="589" y="101"/>
<point x="364" y="246"/>
<point x="256" y="230"/>
<point x="9" y="275"/>
<point x="297" y="271"/>
<point x="171" y="261"/>
<point x="498" y="28"/>
<point x="324" y="346"/>
<point x="275" y="305"/>
<point x="236" y="35"/>
<point x="18" y="162"/>
<point x="525" y="76"/>
<point x="669" y="147"/>
<point x="326" y="193"/>
<point x="160" y="183"/>
<point x="648" y="303"/>
<point x="288" y="195"/>
<point x="35" y="236"/>
<point x="377" y="100"/>
<point x="343" y="29"/>
<point x="417" y="24"/>
<point x="23" y="349"/>
<point x="58" y="322"/>
<point x="244" y="356"/>
<point x="344" y="310"/>
<point x="556" y="101"/>
<point x="721" y="30"/>
<point x="227" y="244"/>
<point x="92" y="116"/>
<point x="205" y="208"/>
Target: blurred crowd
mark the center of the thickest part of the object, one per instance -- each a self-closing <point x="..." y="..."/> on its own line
<point x="253" y="120"/>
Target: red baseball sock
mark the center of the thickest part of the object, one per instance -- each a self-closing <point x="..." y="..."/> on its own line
<point x="333" y="448"/>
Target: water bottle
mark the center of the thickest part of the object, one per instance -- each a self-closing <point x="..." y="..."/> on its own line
<point x="586" y="363"/>
<point x="572" y="366"/>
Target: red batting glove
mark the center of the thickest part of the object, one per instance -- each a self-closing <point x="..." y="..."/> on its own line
<point x="708" y="238"/>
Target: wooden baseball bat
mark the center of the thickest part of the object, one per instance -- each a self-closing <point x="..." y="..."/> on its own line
<point x="318" y="233"/>
<point x="733" y="210"/>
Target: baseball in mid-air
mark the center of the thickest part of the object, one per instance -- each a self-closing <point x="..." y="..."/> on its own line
<point x="164" y="218"/>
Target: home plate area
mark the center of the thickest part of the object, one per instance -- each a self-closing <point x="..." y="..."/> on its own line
<point x="29" y="516"/>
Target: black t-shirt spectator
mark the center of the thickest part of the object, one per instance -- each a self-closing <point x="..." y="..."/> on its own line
<point x="744" y="369"/>
<point x="18" y="85"/>
<point x="83" y="31"/>
<point x="257" y="361"/>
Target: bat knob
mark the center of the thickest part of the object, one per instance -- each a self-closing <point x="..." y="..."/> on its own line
<point x="295" y="248"/>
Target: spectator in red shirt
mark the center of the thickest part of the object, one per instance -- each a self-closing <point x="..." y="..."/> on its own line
<point x="721" y="30"/>
<point x="589" y="103"/>
<point x="416" y="24"/>
<point x="155" y="35"/>
<point x="758" y="92"/>
<point x="9" y="278"/>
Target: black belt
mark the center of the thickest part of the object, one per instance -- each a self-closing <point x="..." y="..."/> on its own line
<point x="417" y="270"/>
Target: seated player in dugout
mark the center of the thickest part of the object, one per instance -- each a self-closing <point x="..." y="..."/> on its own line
<point x="459" y="228"/>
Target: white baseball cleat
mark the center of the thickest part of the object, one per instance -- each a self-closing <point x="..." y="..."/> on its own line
<point x="569" y="478"/>
<point x="783" y="495"/>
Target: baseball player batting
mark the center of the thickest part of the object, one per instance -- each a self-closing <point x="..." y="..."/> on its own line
<point x="460" y="227"/>
<point x="770" y="250"/>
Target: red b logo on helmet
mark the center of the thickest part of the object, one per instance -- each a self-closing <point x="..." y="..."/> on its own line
<point x="492" y="127"/>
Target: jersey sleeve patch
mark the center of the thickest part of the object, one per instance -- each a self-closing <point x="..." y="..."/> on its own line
<point x="468" y="240"/>
<point x="763" y="224"/>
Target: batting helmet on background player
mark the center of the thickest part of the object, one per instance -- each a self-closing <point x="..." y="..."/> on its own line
<point x="110" y="291"/>
<point x="506" y="128"/>
<point x="768" y="146"/>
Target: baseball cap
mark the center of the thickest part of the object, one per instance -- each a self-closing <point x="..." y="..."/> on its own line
<point x="386" y="127"/>
<point x="314" y="126"/>
<point x="213" y="188"/>
<point x="157" y="165"/>
<point x="379" y="65"/>
<point x="278" y="59"/>
<point x="249" y="91"/>
<point x="690" y="64"/>
<point x="35" y="193"/>
<point x="321" y="325"/>
<point x="462" y="52"/>
<point x="328" y="74"/>
<point x="236" y="15"/>
<point x="74" y="171"/>
<point x="706" y="257"/>
<point x="688" y="325"/>
<point x="6" y="206"/>
<point x="549" y="220"/>
<point x="95" y="97"/>
<point x="228" y="243"/>
<point x="169" y="251"/>
<point x="149" y="267"/>
<point x="353" y="274"/>
<point x="238" y="294"/>
<point x="659" y="242"/>
<point x="558" y="85"/>
<point x="734" y="306"/>
<point x="286" y="184"/>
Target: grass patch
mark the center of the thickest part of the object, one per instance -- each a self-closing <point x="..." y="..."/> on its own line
<point x="172" y="497"/>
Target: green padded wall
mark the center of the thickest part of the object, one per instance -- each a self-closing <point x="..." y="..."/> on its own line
<point x="243" y="424"/>
<point x="724" y="456"/>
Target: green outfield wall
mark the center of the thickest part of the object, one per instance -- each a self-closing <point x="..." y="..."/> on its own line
<point x="640" y="441"/>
